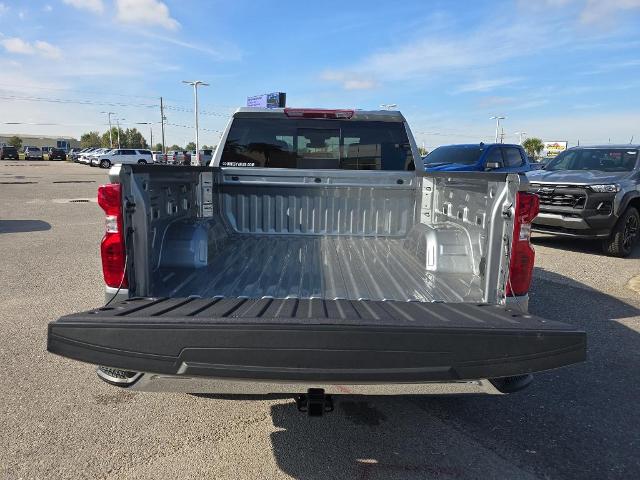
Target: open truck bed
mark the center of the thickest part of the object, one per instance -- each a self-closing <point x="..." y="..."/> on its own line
<point x="334" y="341"/>
<point x="315" y="254"/>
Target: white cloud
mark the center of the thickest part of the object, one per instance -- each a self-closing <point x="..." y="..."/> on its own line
<point x="229" y="52"/>
<point x="47" y="50"/>
<point x="47" y="8"/>
<point x="150" y="12"/>
<point x="19" y="46"/>
<point x="435" y="54"/>
<point x="349" y="81"/>
<point x="486" y="85"/>
<point x="92" y="5"/>
<point x="3" y="9"/>
<point x="590" y="12"/>
<point x="603" y="11"/>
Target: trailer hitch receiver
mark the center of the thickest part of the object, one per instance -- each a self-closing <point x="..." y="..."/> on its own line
<point x="315" y="402"/>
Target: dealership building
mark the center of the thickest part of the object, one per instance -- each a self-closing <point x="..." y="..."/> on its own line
<point x="41" y="141"/>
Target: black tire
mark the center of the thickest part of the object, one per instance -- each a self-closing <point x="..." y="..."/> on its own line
<point x="624" y="235"/>
<point x="142" y="162"/>
<point x="105" y="163"/>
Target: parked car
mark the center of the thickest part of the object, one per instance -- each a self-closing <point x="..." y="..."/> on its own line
<point x="8" y="152"/>
<point x="57" y="154"/>
<point x="321" y="260"/>
<point x="73" y="153"/>
<point x="591" y="192"/>
<point x="33" y="153"/>
<point x="122" y="155"/>
<point x="86" y="157"/>
<point x="179" y="157"/>
<point x="159" y="157"/>
<point x="205" y="156"/>
<point x="495" y="157"/>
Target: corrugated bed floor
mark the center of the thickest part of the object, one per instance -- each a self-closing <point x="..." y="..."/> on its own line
<point x="316" y="267"/>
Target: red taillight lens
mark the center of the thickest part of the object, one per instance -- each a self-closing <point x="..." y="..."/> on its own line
<point x="317" y="113"/>
<point x="522" y="253"/>
<point x="112" y="247"/>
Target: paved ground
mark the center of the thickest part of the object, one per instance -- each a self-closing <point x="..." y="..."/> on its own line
<point x="59" y="421"/>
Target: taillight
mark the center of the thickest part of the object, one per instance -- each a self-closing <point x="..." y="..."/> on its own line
<point x="317" y="113"/>
<point x="112" y="247"/>
<point x="522" y="253"/>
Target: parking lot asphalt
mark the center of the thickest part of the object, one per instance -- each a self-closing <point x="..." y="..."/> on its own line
<point x="59" y="421"/>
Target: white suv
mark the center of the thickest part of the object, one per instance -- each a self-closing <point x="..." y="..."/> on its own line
<point x="122" y="155"/>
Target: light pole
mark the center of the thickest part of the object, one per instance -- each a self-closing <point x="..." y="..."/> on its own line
<point x="521" y="134"/>
<point x="118" y="124"/>
<point x="196" y="84"/>
<point x="150" y="132"/>
<point x="108" y="114"/>
<point x="389" y="106"/>
<point x="497" y="118"/>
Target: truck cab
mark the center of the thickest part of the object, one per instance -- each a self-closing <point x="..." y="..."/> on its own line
<point x="482" y="157"/>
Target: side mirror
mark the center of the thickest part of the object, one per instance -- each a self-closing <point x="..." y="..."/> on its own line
<point x="493" y="165"/>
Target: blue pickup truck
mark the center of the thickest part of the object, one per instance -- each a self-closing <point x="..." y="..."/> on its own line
<point x="478" y="157"/>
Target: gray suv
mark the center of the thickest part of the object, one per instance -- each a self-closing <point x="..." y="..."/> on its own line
<point x="591" y="192"/>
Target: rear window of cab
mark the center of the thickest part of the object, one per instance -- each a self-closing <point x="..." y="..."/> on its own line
<point x="317" y="144"/>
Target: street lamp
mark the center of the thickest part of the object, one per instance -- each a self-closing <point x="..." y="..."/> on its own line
<point x="521" y="134"/>
<point x="196" y="84"/>
<point x="389" y="106"/>
<point x="108" y="114"/>
<point x="150" y="132"/>
<point x="497" y="118"/>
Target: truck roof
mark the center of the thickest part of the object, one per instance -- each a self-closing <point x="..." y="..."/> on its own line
<point x="476" y="145"/>
<point x="377" y="115"/>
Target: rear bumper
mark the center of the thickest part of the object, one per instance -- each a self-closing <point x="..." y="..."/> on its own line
<point x="179" y="384"/>
<point x="314" y="341"/>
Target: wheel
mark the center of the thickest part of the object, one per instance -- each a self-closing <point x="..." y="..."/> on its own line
<point x="142" y="162"/>
<point x="104" y="163"/>
<point x="624" y="235"/>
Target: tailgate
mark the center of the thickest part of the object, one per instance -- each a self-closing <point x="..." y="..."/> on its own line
<point x="337" y="341"/>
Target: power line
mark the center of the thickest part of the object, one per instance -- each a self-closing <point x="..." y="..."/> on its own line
<point x="107" y="104"/>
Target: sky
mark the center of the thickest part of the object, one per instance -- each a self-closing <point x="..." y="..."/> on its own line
<point x="556" y="69"/>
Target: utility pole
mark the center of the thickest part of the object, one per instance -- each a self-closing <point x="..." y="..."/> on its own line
<point x="196" y="84"/>
<point x="162" y="119"/>
<point x="521" y="134"/>
<point x="108" y="114"/>
<point x="502" y="135"/>
<point x="497" y="118"/>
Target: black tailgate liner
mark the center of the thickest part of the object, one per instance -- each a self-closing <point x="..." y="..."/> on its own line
<point x="316" y="340"/>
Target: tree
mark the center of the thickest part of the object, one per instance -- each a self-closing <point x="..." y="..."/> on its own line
<point x="157" y="147"/>
<point x="533" y="146"/>
<point x="90" y="139"/>
<point x="175" y="148"/>
<point x="134" y="139"/>
<point x="15" y="141"/>
<point x="106" y="143"/>
<point x="190" y="146"/>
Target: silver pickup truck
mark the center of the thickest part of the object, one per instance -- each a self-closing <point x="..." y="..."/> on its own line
<point x="314" y="256"/>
